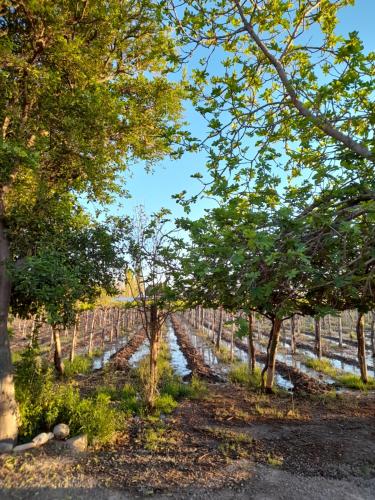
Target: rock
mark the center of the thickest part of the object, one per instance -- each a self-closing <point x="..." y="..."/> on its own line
<point x="6" y="447"/>
<point x="50" y="436"/>
<point x="24" y="447"/>
<point x="41" y="439"/>
<point x="77" y="444"/>
<point x="61" y="431"/>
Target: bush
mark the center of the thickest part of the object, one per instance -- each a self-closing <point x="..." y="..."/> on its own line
<point x="44" y="403"/>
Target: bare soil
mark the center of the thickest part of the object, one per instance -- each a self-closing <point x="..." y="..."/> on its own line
<point x="230" y="444"/>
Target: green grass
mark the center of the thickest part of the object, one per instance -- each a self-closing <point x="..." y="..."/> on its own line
<point x="223" y="353"/>
<point x="349" y="380"/>
<point x="239" y="374"/>
<point x="80" y="364"/>
<point x="352" y="381"/>
<point x="16" y="357"/>
<point x="322" y="366"/>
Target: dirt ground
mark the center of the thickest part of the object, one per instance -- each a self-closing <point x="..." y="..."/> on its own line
<point x="229" y="444"/>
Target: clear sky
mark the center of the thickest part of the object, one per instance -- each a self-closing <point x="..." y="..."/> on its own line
<point x="155" y="190"/>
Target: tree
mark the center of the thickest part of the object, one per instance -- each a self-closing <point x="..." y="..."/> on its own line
<point x="239" y="251"/>
<point x="71" y="268"/>
<point x="83" y="93"/>
<point x="151" y="253"/>
<point x="341" y="240"/>
<point x="287" y="86"/>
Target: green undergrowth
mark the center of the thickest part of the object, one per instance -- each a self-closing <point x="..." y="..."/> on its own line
<point x="352" y="381"/>
<point x="80" y="364"/>
<point x="43" y="402"/>
<point x="239" y="374"/>
<point x="223" y="353"/>
<point x="322" y="366"/>
<point x="131" y="398"/>
<point x="349" y="380"/>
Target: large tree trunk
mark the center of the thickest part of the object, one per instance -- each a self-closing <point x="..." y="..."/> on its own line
<point x="250" y="344"/>
<point x="57" y="358"/>
<point x="360" y="329"/>
<point x="269" y="368"/>
<point x="220" y="328"/>
<point x="8" y="405"/>
<point x="154" y="352"/>
<point x="318" y="338"/>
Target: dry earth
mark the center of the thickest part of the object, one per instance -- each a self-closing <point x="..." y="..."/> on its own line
<point x="230" y="444"/>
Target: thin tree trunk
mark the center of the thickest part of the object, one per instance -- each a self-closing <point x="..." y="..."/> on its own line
<point x="373" y="333"/>
<point x="269" y="368"/>
<point x="111" y="313"/>
<point x="57" y="358"/>
<point x="232" y="341"/>
<point x="293" y="334"/>
<point x="92" y="331"/>
<point x="318" y="338"/>
<point x="340" y="331"/>
<point x="8" y="405"/>
<point x="220" y="328"/>
<point x="86" y="325"/>
<point x="154" y="352"/>
<point x="74" y="339"/>
<point x="360" y="329"/>
<point x="250" y="345"/>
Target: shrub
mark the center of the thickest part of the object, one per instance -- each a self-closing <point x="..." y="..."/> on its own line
<point x="43" y="403"/>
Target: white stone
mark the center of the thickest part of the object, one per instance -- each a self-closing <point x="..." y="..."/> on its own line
<point x="50" y="436"/>
<point x="41" y="439"/>
<point x="24" y="447"/>
<point x="61" y="431"/>
<point x="77" y="443"/>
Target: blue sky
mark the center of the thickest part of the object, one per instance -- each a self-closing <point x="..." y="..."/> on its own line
<point x="155" y="190"/>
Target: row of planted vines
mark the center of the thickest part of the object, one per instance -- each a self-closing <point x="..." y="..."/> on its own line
<point x="91" y="332"/>
<point x="326" y="348"/>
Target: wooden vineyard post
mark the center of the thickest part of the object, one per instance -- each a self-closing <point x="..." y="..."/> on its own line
<point x="74" y="338"/>
<point x="92" y="332"/>
<point x="220" y="328"/>
<point x="340" y="330"/>
<point x="318" y="338"/>
<point x="232" y="341"/>
<point x="293" y="334"/>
